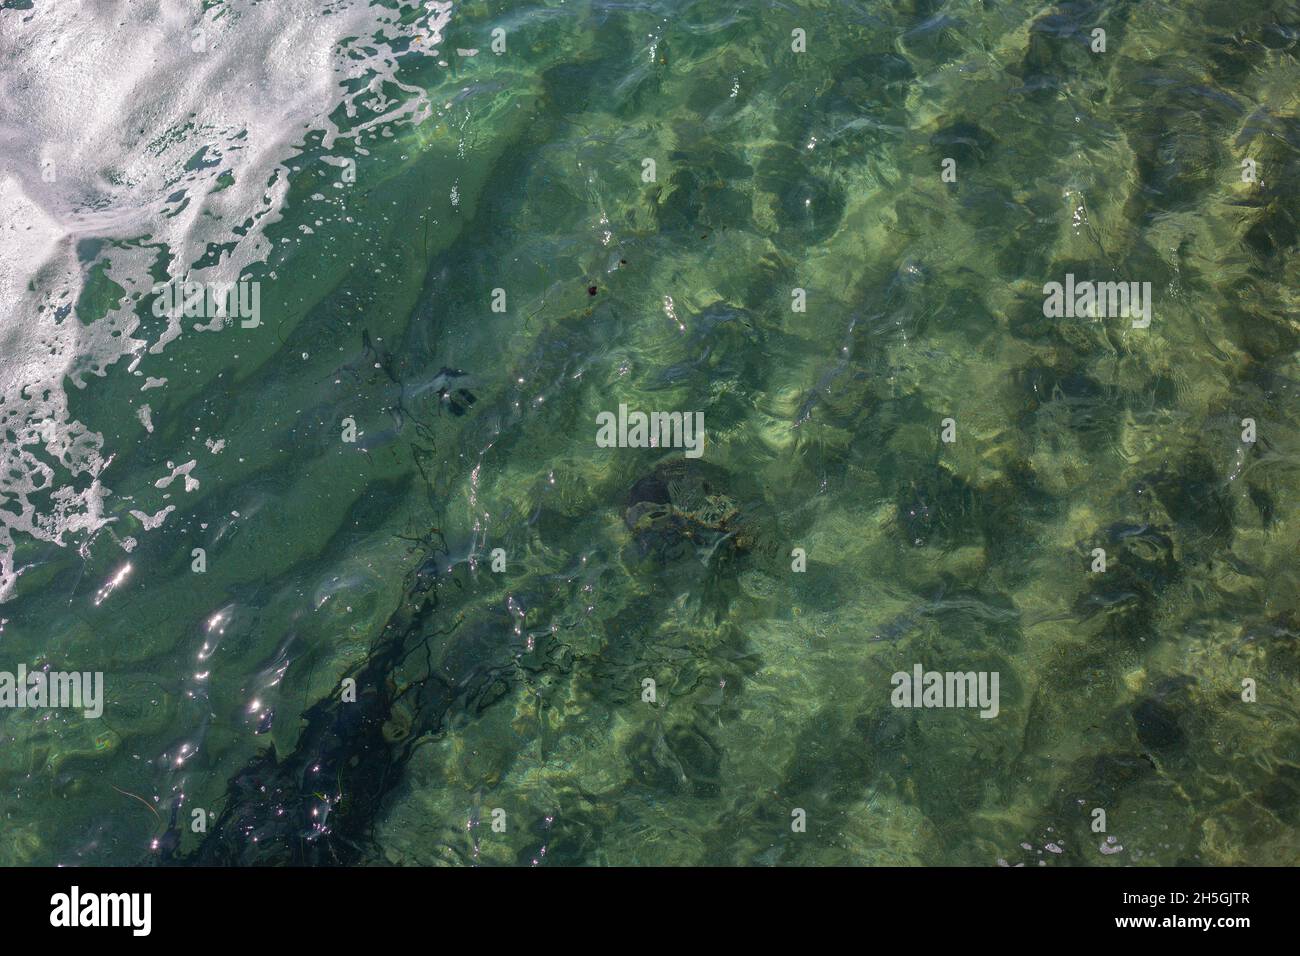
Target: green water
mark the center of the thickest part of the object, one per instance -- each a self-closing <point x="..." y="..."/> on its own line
<point x="519" y="697"/>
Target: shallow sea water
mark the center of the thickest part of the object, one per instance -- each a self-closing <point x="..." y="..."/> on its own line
<point x="463" y="258"/>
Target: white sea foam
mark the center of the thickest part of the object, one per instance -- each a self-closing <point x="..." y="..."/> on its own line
<point x="119" y="120"/>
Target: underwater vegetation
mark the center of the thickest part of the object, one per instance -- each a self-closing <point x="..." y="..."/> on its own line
<point x="367" y="590"/>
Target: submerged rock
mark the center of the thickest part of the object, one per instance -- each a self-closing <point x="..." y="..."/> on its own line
<point x="685" y="507"/>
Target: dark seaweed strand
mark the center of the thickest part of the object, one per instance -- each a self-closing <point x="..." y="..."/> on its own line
<point x="318" y="805"/>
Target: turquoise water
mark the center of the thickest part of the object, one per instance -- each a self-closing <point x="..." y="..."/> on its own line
<point x="366" y="586"/>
